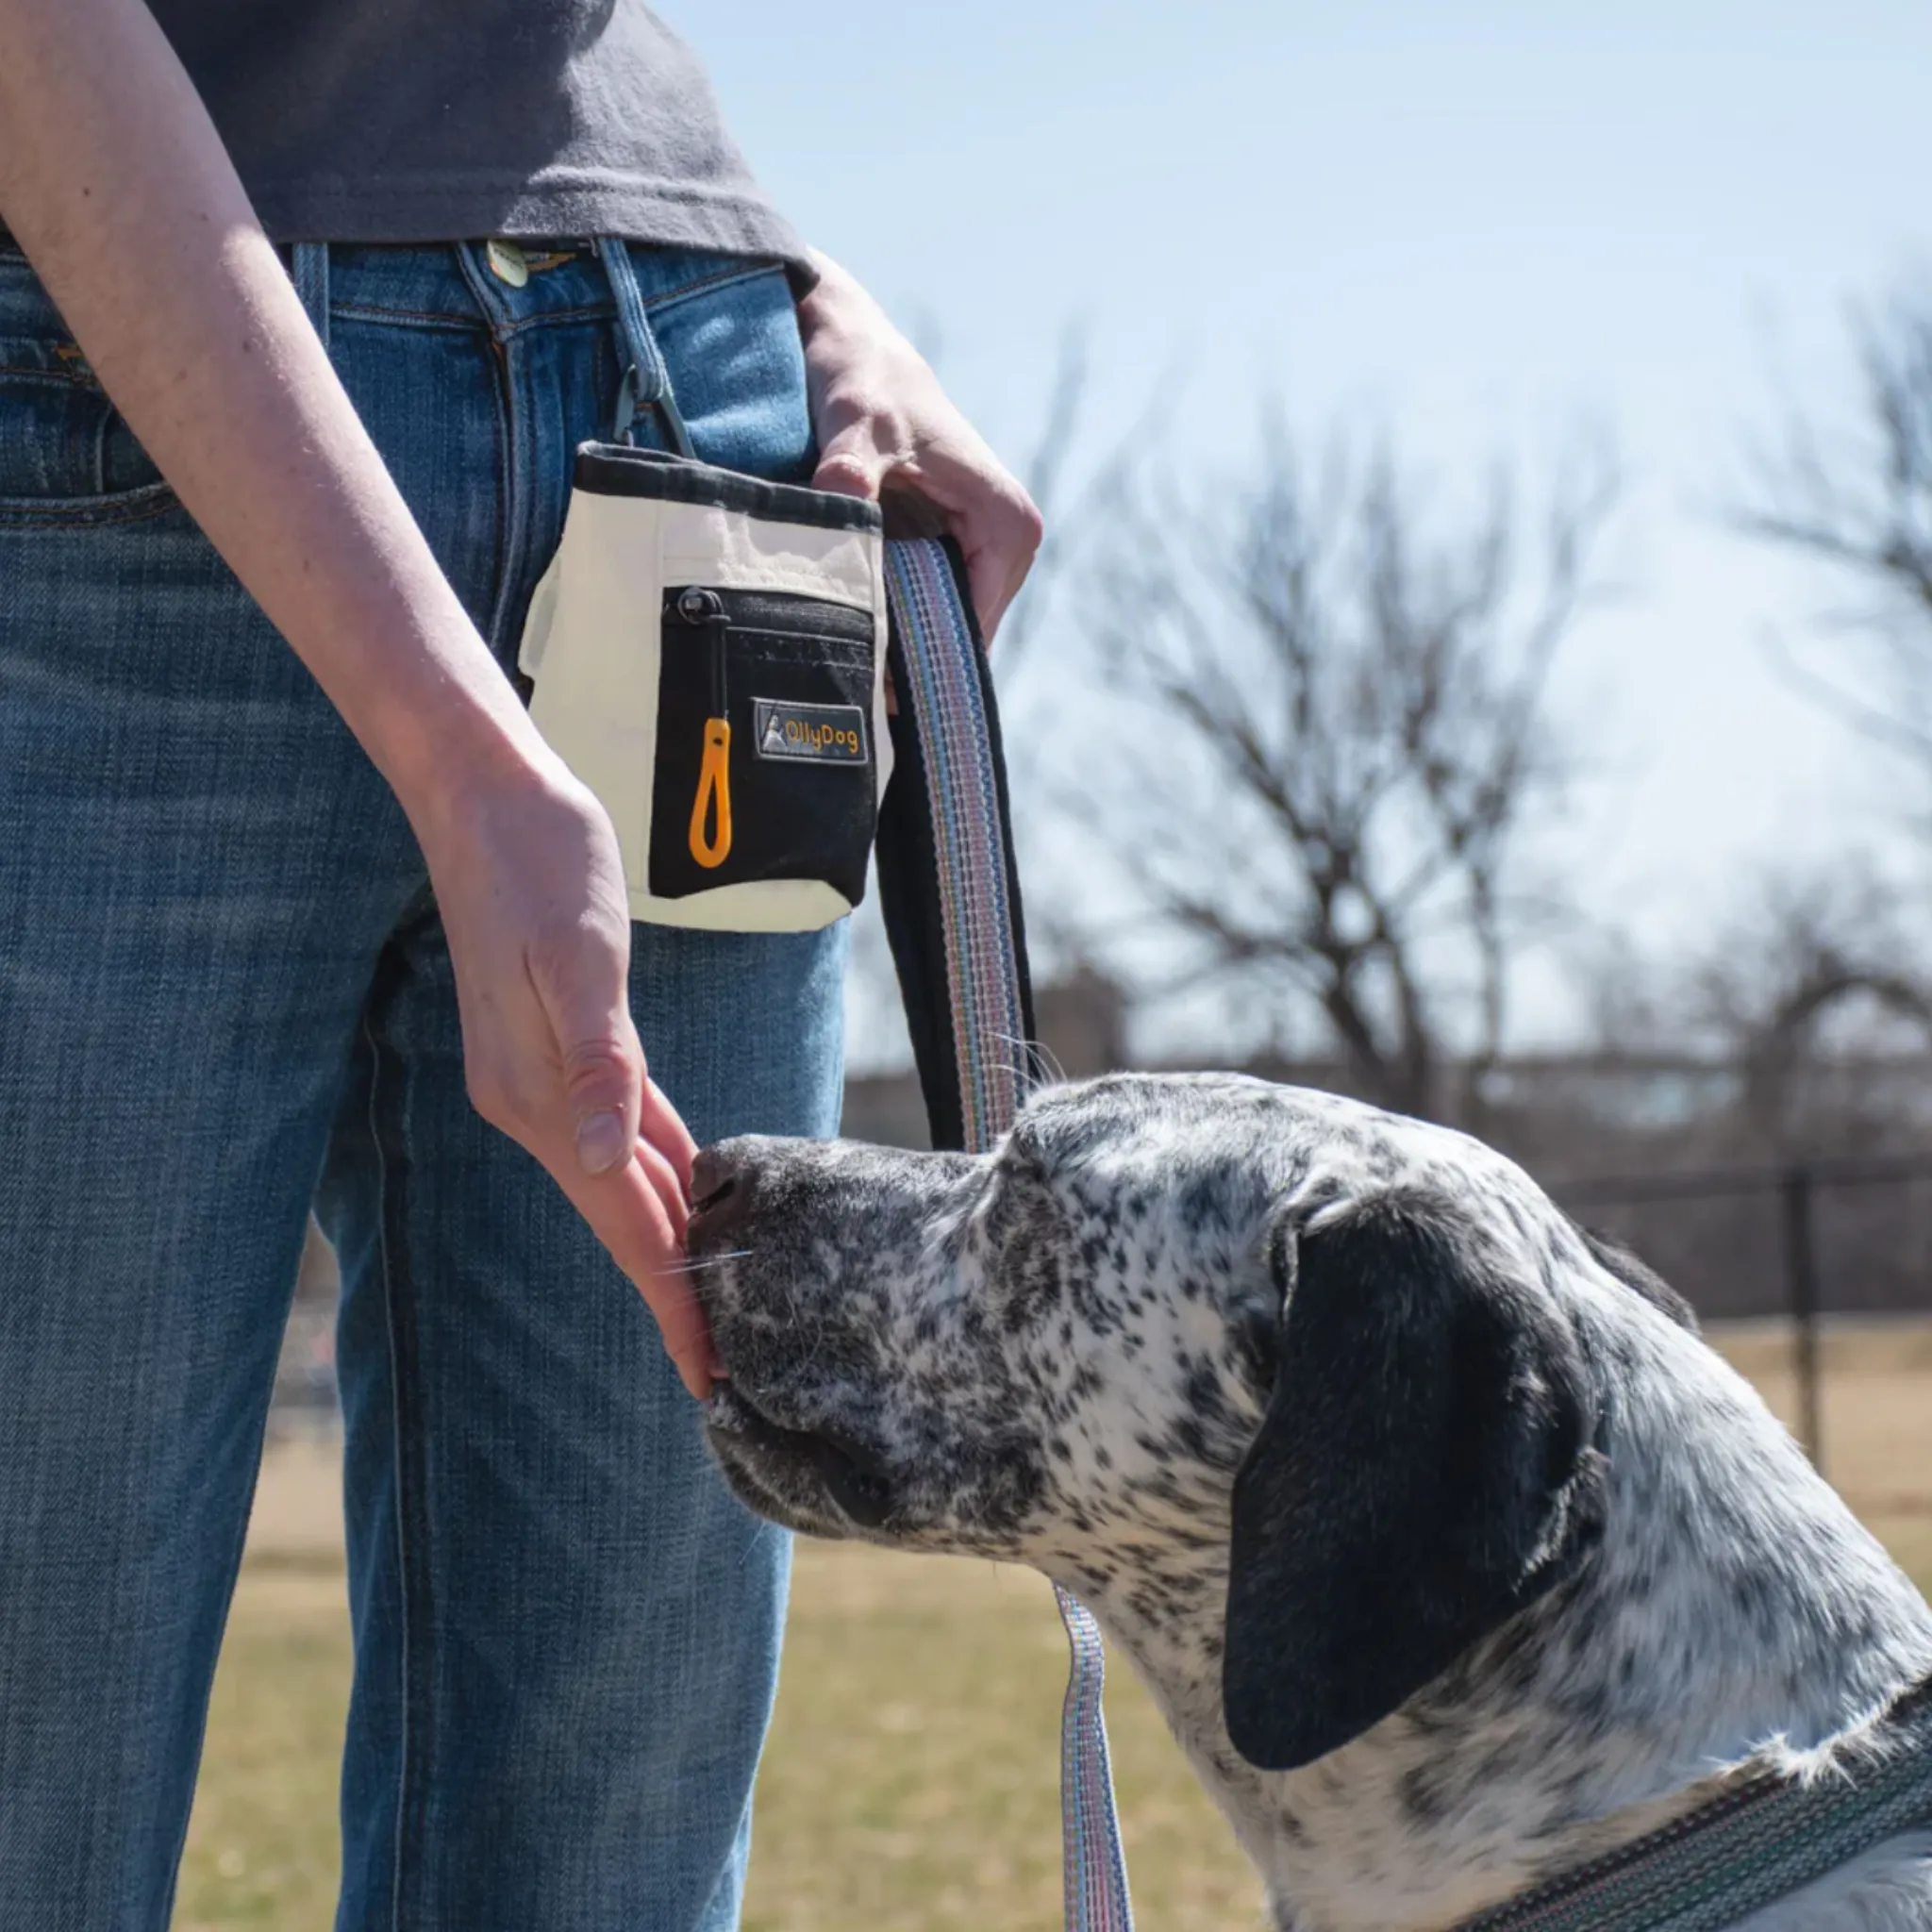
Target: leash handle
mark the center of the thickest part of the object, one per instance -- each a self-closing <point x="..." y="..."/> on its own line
<point x="950" y="892"/>
<point x="948" y="885"/>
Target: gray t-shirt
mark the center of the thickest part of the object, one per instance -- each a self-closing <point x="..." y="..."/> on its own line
<point x="450" y="119"/>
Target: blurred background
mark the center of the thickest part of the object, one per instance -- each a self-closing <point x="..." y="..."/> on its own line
<point x="1481" y="662"/>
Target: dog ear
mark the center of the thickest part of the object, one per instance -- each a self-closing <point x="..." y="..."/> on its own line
<point x="1425" y="1471"/>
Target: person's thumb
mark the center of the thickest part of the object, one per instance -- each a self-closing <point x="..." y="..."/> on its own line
<point x="603" y="1068"/>
<point x="850" y="465"/>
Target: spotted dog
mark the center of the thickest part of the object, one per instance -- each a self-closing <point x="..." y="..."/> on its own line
<point x="1449" y="1551"/>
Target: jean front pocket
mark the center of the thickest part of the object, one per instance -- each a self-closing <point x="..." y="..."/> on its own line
<point x="67" y="455"/>
<point x="765" y="766"/>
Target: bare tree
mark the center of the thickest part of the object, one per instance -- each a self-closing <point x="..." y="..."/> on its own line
<point x="1045" y="471"/>
<point x="1860" y="504"/>
<point x="1349" y="743"/>
<point x="1811" y="992"/>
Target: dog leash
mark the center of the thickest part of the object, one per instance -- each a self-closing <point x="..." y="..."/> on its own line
<point x="950" y="892"/>
<point x="1772" y="1834"/>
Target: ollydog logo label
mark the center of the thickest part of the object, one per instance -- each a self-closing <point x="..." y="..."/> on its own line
<point x="819" y="734"/>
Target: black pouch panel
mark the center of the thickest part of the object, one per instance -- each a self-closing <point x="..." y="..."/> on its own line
<point x="794" y="677"/>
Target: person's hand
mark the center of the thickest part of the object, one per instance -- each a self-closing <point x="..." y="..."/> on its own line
<point x="884" y="423"/>
<point x="531" y="888"/>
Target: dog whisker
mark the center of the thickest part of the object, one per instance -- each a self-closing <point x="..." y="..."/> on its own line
<point x="693" y="1264"/>
<point x="1034" y="1063"/>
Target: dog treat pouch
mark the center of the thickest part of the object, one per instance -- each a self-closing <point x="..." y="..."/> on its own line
<point x="708" y="654"/>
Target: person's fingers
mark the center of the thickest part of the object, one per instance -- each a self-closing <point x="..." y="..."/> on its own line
<point x="639" y="1208"/>
<point x="671" y="1189"/>
<point x="999" y="543"/>
<point x="991" y="577"/>
<point x="997" y="525"/>
<point x="636" y="1212"/>
<point x="660" y="1124"/>
<point x="686" y="1340"/>
<point x="586" y="997"/>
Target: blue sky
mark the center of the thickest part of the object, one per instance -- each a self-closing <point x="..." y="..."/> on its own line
<point x="1478" y="224"/>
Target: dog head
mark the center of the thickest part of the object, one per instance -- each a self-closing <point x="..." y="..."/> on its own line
<point x="1261" y="1361"/>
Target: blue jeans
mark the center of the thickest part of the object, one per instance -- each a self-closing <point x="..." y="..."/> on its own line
<point x="224" y="992"/>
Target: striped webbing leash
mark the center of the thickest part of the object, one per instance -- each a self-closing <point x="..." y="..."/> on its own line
<point x="950" y="898"/>
<point x="1770" y="1835"/>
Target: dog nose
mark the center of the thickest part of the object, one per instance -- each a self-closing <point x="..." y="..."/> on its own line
<point x="720" y="1189"/>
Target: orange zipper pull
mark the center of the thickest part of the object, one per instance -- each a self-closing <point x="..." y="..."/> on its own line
<point x="698" y="606"/>
<point x="715" y="797"/>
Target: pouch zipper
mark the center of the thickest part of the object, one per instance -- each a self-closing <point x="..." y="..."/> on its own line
<point x="786" y="615"/>
<point x="699" y="606"/>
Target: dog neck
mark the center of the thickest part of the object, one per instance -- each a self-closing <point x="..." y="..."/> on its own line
<point x="1699" y="1629"/>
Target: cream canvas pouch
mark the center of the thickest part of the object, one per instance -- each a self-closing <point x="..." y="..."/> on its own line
<point x="708" y="654"/>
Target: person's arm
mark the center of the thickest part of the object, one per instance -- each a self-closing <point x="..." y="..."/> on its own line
<point x="883" y="422"/>
<point x="116" y="184"/>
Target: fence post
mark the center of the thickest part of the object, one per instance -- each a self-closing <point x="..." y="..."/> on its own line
<point x="1801" y="1282"/>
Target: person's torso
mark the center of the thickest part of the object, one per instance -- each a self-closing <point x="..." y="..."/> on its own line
<point x="441" y="120"/>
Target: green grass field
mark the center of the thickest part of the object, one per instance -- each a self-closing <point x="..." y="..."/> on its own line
<point x="910" y="1781"/>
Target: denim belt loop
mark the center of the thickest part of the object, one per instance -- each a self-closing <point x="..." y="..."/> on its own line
<point x="309" y="270"/>
<point x="646" y="381"/>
